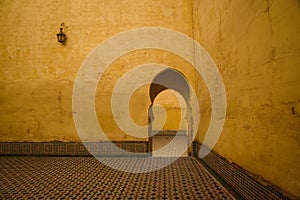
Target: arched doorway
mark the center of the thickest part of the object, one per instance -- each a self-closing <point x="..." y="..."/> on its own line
<point x="167" y="81"/>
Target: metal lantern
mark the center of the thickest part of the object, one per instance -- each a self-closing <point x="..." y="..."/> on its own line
<point x="61" y="37"/>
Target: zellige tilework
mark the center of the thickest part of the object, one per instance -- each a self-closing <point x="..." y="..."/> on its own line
<point x="238" y="178"/>
<point x="87" y="178"/>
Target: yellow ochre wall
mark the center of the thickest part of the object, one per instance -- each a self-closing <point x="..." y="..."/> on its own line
<point x="256" y="47"/>
<point x="169" y="112"/>
<point x="37" y="73"/>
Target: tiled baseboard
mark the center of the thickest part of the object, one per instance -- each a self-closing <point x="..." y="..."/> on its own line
<point x="169" y="132"/>
<point x="239" y="179"/>
<point x="71" y="148"/>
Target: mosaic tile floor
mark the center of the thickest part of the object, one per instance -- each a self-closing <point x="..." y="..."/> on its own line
<point x="87" y="178"/>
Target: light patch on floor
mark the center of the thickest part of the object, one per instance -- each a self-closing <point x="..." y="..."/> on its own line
<point x="179" y="144"/>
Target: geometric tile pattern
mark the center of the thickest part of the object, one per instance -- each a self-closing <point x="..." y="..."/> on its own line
<point x="239" y="179"/>
<point x="70" y="148"/>
<point x="87" y="178"/>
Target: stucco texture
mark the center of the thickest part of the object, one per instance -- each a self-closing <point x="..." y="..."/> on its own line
<point x="256" y="46"/>
<point x="37" y="73"/>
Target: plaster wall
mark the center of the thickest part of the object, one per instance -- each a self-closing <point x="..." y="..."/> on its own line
<point x="37" y="73"/>
<point x="169" y="111"/>
<point x="256" y="47"/>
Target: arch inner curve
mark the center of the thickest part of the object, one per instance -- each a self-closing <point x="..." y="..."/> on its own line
<point x="169" y="79"/>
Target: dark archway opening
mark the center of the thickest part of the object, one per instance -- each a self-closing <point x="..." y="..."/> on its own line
<point x="173" y="80"/>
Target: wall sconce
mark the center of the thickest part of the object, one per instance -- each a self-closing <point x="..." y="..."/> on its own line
<point x="61" y="37"/>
